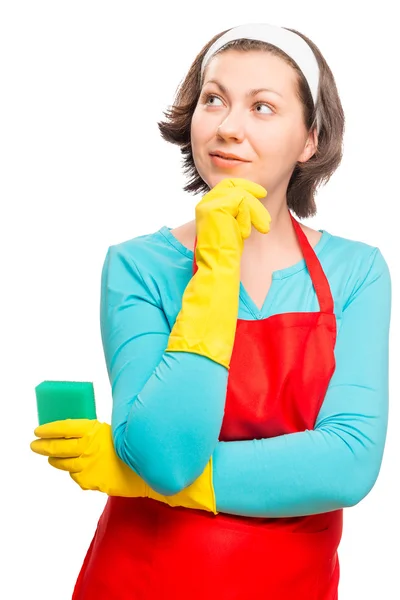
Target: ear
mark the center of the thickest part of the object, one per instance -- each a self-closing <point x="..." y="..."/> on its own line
<point x="310" y="147"/>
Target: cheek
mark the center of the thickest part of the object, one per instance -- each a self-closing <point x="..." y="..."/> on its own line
<point x="200" y="134"/>
<point x="202" y="127"/>
<point x="277" y="145"/>
<point x="196" y="123"/>
<point x="195" y="133"/>
<point x="196" y="140"/>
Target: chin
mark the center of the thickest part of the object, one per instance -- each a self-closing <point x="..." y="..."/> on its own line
<point x="217" y="177"/>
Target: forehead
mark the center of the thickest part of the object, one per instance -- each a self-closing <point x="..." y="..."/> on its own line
<point x="239" y="71"/>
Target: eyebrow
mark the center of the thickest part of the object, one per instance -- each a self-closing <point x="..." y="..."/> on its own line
<point x="250" y="93"/>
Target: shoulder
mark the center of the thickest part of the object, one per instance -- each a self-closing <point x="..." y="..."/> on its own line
<point x="142" y="247"/>
<point x="356" y="253"/>
<point x="148" y="265"/>
<point x="353" y="265"/>
<point x="186" y="234"/>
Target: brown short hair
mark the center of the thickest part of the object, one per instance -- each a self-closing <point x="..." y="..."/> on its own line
<point x="306" y="176"/>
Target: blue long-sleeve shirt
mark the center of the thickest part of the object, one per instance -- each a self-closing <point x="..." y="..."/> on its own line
<point x="168" y="407"/>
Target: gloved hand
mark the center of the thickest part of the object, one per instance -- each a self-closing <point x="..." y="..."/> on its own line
<point x="206" y="323"/>
<point x="84" y="448"/>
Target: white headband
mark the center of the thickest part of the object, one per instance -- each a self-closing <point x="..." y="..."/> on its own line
<point x="291" y="43"/>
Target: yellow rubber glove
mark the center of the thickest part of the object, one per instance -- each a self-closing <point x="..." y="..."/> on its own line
<point x="84" y="448"/>
<point x="206" y="323"/>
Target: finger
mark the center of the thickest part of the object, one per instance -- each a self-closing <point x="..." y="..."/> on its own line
<point x="259" y="215"/>
<point x="228" y="184"/>
<point x="64" y="428"/>
<point x="86" y="484"/>
<point x="244" y="220"/>
<point x="250" y="186"/>
<point x="83" y="482"/>
<point x="61" y="448"/>
<point x="72" y="465"/>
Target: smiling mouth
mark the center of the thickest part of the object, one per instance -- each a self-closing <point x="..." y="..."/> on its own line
<point x="227" y="158"/>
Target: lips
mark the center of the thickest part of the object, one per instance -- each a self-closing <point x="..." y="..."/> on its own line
<point x="227" y="156"/>
<point x="226" y="163"/>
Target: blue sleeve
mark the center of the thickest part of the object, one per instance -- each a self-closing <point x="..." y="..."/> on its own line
<point x="167" y="406"/>
<point x="337" y="463"/>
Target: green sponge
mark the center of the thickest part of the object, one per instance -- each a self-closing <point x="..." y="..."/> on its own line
<point x="58" y="400"/>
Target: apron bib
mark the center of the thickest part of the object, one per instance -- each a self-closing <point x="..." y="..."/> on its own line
<point x="143" y="549"/>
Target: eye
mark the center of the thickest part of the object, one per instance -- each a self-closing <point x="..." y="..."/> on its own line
<point x="206" y="97"/>
<point x="263" y="104"/>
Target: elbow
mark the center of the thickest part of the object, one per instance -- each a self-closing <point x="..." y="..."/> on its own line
<point x="171" y="479"/>
<point x="166" y="484"/>
<point x="165" y="474"/>
<point x="163" y="480"/>
<point x="357" y="459"/>
<point x="353" y="496"/>
<point x="362" y="482"/>
<point x="122" y="450"/>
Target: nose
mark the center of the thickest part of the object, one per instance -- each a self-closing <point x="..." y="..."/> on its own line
<point x="231" y="128"/>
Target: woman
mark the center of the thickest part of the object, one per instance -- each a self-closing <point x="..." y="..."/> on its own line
<point x="248" y="365"/>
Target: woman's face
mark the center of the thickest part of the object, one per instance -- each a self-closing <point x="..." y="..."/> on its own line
<point x="266" y="129"/>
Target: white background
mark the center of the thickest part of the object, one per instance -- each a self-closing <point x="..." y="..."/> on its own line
<point x="83" y="166"/>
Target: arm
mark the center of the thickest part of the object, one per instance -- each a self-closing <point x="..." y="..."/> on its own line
<point x="336" y="464"/>
<point x="167" y="406"/>
<point x="333" y="466"/>
<point x="168" y="409"/>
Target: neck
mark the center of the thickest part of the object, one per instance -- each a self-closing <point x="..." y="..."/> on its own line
<point x="281" y="231"/>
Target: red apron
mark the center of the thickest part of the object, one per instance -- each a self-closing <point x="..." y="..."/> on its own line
<point x="143" y="549"/>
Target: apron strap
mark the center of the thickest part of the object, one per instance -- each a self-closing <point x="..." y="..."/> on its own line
<point x="318" y="277"/>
